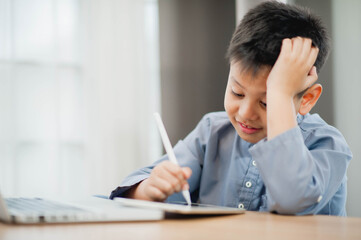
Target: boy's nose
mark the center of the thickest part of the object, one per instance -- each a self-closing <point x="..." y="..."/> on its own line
<point x="247" y="111"/>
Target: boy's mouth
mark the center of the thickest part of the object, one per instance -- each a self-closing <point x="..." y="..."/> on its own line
<point x="248" y="129"/>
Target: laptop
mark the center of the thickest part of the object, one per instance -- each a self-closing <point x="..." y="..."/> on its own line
<point x="181" y="208"/>
<point x="92" y="209"/>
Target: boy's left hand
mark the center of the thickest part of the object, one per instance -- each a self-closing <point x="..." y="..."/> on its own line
<point x="293" y="71"/>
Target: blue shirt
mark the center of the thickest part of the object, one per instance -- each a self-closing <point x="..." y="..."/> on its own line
<point x="301" y="171"/>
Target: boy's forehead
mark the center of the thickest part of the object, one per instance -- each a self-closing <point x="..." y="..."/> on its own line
<point x="238" y="72"/>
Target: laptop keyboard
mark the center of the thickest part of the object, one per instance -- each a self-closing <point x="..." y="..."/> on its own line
<point x="31" y="210"/>
<point x="38" y="205"/>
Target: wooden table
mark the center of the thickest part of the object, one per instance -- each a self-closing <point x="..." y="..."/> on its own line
<point x="252" y="225"/>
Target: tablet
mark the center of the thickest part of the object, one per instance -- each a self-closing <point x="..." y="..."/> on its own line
<point x="181" y="207"/>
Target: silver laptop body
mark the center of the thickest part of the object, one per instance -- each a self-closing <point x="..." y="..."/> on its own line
<point x="91" y="209"/>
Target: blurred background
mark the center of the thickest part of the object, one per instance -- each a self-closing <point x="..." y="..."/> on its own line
<point x="80" y="79"/>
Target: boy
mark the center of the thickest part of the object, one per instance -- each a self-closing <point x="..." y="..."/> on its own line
<point x="266" y="152"/>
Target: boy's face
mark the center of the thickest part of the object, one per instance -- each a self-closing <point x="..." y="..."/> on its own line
<point x="245" y="102"/>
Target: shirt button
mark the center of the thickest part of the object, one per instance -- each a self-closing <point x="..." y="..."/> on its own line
<point x="241" y="206"/>
<point x="254" y="163"/>
<point x="248" y="184"/>
<point x="319" y="199"/>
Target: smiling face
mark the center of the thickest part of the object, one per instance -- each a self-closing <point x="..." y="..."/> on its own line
<point x="245" y="102"/>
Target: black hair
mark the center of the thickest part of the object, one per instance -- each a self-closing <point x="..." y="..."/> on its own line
<point x="257" y="40"/>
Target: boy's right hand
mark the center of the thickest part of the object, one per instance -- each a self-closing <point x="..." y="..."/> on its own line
<point x="165" y="179"/>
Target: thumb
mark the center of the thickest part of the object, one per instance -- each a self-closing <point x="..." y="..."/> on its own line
<point x="187" y="172"/>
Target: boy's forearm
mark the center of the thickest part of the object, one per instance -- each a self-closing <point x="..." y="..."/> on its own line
<point x="292" y="73"/>
<point x="297" y="188"/>
<point x="281" y="113"/>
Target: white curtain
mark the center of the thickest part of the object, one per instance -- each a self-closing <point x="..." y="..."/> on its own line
<point x="122" y="72"/>
<point x="79" y="81"/>
<point x="346" y="36"/>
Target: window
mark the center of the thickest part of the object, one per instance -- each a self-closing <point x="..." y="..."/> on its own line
<point x="66" y="83"/>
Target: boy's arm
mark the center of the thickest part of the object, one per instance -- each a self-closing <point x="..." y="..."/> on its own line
<point x="157" y="181"/>
<point x="189" y="153"/>
<point x="303" y="169"/>
<point x="292" y="73"/>
<point x="160" y="180"/>
<point x="301" y="173"/>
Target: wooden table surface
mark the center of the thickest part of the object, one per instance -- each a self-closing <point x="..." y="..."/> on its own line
<point x="251" y="225"/>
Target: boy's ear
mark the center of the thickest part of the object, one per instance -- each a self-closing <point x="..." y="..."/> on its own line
<point x="309" y="99"/>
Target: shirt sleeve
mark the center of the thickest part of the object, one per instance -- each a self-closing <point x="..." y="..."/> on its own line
<point x="302" y="175"/>
<point x="189" y="153"/>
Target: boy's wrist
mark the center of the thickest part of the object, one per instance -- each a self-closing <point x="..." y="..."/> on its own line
<point x="281" y="113"/>
<point x="280" y="88"/>
<point x="279" y="95"/>
<point x="132" y="192"/>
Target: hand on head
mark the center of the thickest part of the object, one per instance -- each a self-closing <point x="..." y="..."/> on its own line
<point x="165" y="179"/>
<point x="293" y="71"/>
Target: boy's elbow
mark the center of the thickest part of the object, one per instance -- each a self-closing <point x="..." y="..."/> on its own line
<point x="295" y="204"/>
<point x="327" y="204"/>
<point x="289" y="209"/>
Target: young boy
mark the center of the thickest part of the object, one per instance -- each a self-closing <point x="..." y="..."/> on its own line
<point x="266" y="152"/>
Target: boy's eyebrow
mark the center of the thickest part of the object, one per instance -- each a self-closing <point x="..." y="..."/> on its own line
<point x="234" y="80"/>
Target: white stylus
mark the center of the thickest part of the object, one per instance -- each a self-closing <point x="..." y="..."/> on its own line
<point x="169" y="150"/>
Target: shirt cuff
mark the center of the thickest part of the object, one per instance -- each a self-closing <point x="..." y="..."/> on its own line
<point x="120" y="191"/>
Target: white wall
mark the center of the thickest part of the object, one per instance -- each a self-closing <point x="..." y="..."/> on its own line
<point x="79" y="81"/>
<point x="347" y="88"/>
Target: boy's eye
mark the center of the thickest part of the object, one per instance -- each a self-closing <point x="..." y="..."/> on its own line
<point x="263" y="104"/>
<point x="237" y="94"/>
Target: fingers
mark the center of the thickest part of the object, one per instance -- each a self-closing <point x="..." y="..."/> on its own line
<point x="293" y="69"/>
<point x="312" y="77"/>
<point x="286" y="46"/>
<point x="313" y="71"/>
<point x="312" y="56"/>
<point x="299" y="50"/>
<point x="305" y="48"/>
<point x="166" y="179"/>
<point x="176" y="174"/>
<point x="187" y="172"/>
<point x="297" y="46"/>
<point x="302" y="51"/>
<point x="154" y="194"/>
<point x="166" y="186"/>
